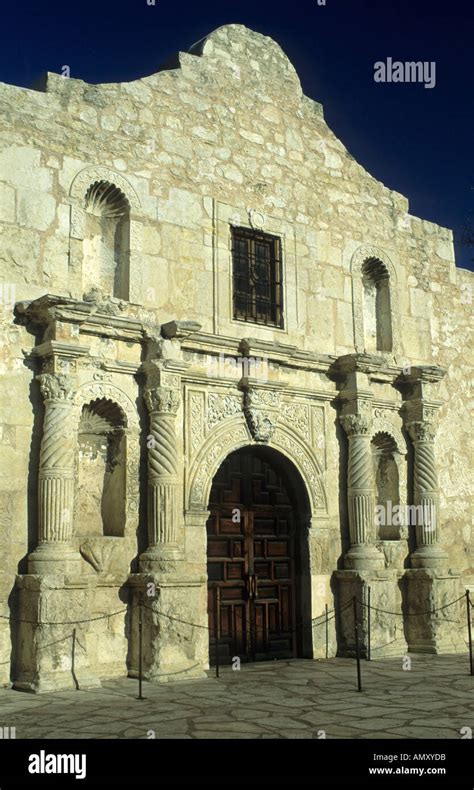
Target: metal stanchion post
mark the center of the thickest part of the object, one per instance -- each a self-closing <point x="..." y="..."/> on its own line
<point x="356" y="632"/>
<point x="327" y="631"/>
<point x="140" y="648"/>
<point x="368" y="624"/>
<point x="217" y="625"/>
<point x="469" y="630"/>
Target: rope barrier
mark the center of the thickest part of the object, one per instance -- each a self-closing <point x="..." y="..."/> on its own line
<point x="411" y="614"/>
<point x="321" y="617"/>
<point x="65" y="622"/>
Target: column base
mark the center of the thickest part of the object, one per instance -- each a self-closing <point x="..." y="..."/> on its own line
<point x="428" y="557"/>
<point x="153" y="557"/>
<point x="51" y="650"/>
<point x="387" y="636"/>
<point x="175" y="637"/>
<point x="364" y="556"/>
<point x="50" y="558"/>
<point x="442" y="631"/>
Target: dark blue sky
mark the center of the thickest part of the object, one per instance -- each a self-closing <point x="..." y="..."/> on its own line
<point x="416" y="140"/>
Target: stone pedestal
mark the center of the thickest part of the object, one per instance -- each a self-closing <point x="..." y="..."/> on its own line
<point x="387" y="636"/>
<point x="51" y="649"/>
<point x="173" y="647"/>
<point x="430" y="631"/>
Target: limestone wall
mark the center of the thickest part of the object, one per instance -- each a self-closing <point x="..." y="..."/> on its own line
<point x="223" y="137"/>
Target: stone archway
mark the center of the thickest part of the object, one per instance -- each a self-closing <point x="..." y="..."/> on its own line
<point x="259" y="586"/>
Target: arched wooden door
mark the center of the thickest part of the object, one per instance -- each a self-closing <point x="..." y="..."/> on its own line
<point x="251" y="560"/>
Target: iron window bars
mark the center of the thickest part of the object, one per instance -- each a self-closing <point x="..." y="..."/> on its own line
<point x="257" y="277"/>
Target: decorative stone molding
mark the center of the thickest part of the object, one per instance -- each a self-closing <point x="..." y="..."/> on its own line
<point x="305" y="463"/>
<point x="89" y="175"/>
<point x="233" y="434"/>
<point x="96" y="390"/>
<point x="219" y="407"/>
<point x="195" y="421"/>
<point x="297" y="415"/>
<point x="388" y="421"/>
<point x="261" y="409"/>
<point x="217" y="447"/>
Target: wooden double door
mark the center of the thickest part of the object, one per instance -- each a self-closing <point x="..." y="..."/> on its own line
<point x="251" y="560"/>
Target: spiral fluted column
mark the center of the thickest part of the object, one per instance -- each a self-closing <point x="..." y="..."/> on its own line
<point x="54" y="553"/>
<point x="163" y="469"/>
<point x="426" y="495"/>
<point x="360" y="494"/>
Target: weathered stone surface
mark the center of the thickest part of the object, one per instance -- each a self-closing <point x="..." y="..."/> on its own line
<point x="143" y="240"/>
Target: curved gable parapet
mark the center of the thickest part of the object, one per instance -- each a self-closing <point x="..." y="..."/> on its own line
<point x="238" y="49"/>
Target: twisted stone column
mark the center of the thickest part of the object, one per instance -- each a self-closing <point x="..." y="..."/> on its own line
<point x="426" y="495"/>
<point x="54" y="553"/>
<point x="163" y="474"/>
<point x="360" y="494"/>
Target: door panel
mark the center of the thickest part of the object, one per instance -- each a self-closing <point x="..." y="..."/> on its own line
<point x="251" y="545"/>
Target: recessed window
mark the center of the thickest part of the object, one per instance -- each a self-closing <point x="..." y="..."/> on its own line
<point x="257" y="277"/>
<point x="377" y="309"/>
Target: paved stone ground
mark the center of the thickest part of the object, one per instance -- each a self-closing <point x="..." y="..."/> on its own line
<point x="279" y="699"/>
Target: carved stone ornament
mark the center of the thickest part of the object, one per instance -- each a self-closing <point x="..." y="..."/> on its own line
<point x="261" y="420"/>
<point x="57" y="387"/>
<point x="355" y="424"/>
<point x="421" y="431"/>
<point x="260" y="424"/>
<point x="222" y="406"/>
<point x="162" y="399"/>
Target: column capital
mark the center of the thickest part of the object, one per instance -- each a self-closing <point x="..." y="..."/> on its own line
<point x="163" y="386"/>
<point x="57" y="387"/>
<point x="421" y="430"/>
<point x="356" y="424"/>
<point x="162" y="400"/>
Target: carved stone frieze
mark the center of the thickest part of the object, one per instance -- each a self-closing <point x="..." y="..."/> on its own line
<point x="196" y="420"/>
<point x="305" y="463"/>
<point x="217" y="450"/>
<point x="297" y="415"/>
<point x="221" y="406"/>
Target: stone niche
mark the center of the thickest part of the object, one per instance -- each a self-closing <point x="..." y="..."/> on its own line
<point x="106" y="243"/>
<point x="101" y="481"/>
<point x="387" y="487"/>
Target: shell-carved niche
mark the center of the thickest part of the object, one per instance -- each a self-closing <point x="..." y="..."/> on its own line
<point x="106" y="244"/>
<point x="105" y="236"/>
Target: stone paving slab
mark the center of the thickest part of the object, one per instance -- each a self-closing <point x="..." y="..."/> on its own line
<point x="278" y="699"/>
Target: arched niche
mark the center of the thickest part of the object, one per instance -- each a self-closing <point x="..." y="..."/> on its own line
<point x="375" y="301"/>
<point x="105" y="235"/>
<point x="106" y="244"/>
<point x="388" y="504"/>
<point x="101" y="470"/>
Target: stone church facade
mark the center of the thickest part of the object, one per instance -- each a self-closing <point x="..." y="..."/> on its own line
<point x="227" y="352"/>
